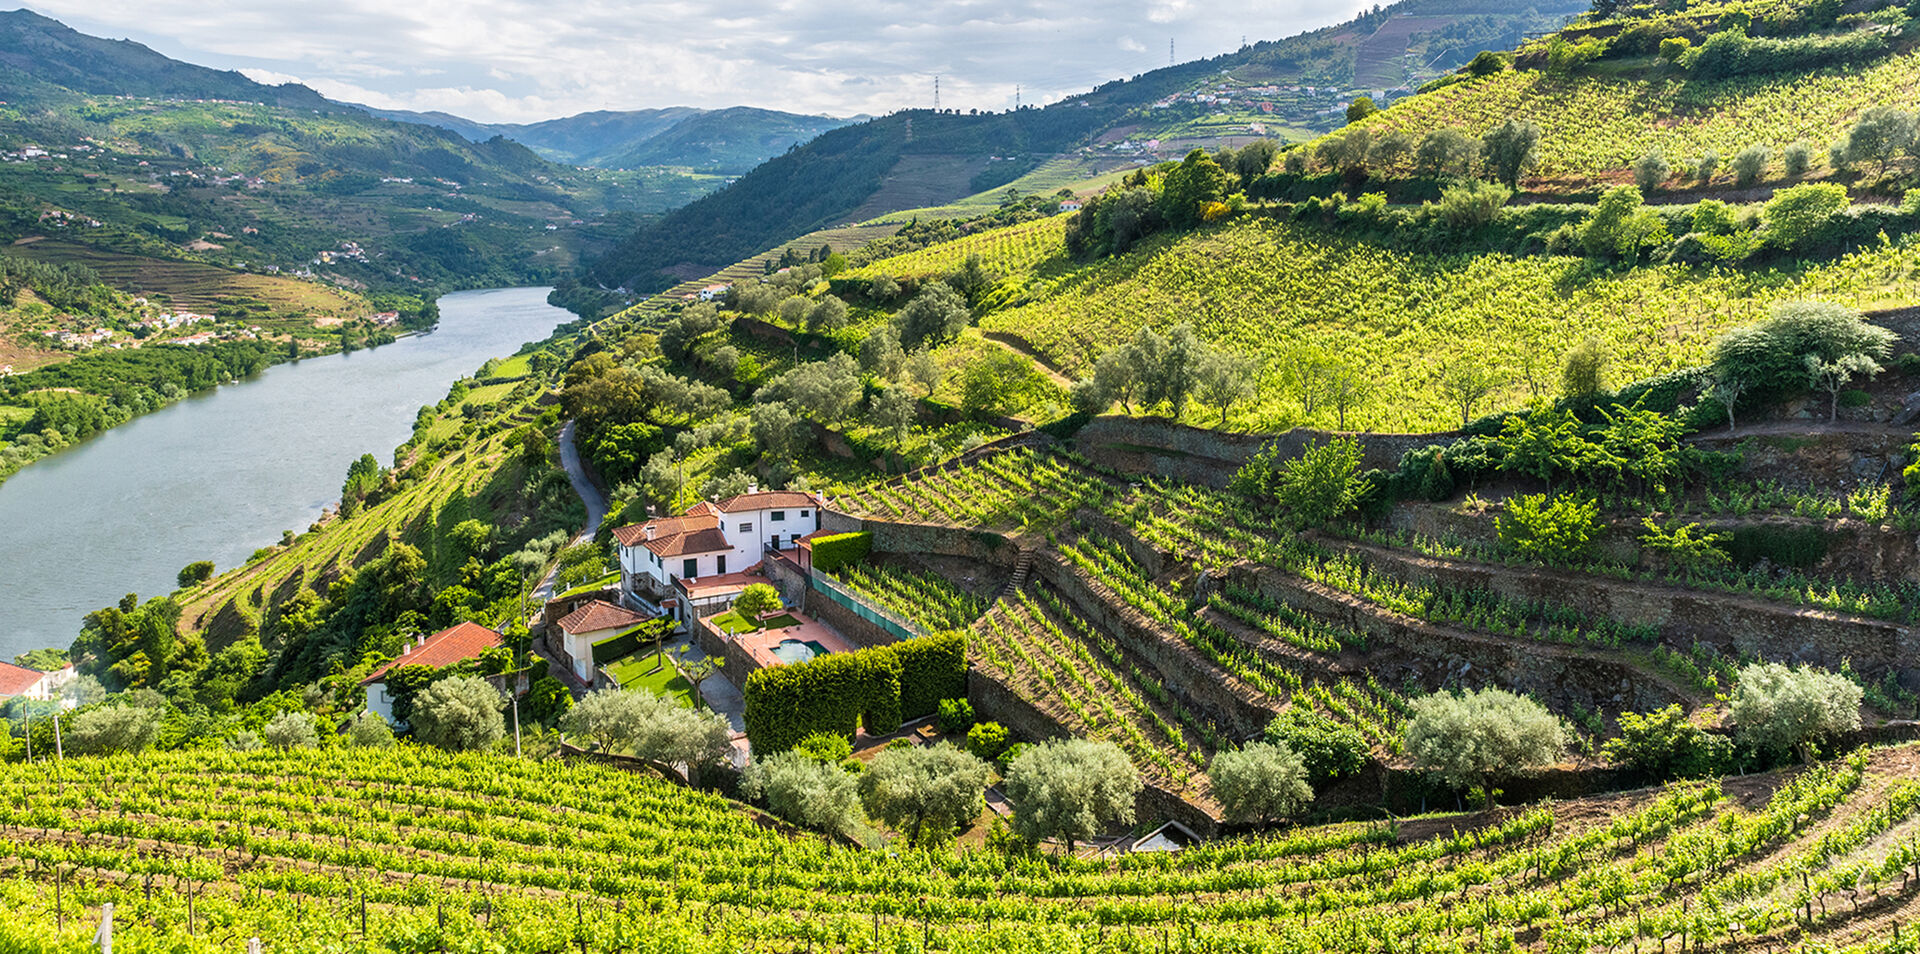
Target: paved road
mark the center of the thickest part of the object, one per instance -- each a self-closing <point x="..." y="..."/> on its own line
<point x="589" y="495"/>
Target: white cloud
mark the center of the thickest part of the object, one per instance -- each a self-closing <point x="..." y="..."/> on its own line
<point x="520" y="60"/>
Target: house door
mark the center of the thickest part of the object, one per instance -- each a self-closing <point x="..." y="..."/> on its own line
<point x="720" y="565"/>
<point x="690" y="569"/>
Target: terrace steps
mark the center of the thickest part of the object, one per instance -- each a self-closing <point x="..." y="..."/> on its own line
<point x="1022" y="569"/>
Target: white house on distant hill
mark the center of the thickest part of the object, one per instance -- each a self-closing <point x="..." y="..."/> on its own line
<point x="32" y="683"/>
<point x="713" y="539"/>
<point x="595" y="621"/>
<point x="451" y="645"/>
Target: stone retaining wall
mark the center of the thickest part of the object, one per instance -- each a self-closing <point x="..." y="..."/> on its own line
<point x="862" y="633"/>
<point x="1158" y="446"/>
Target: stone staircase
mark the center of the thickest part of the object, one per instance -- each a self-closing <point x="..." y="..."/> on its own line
<point x="1022" y="569"/>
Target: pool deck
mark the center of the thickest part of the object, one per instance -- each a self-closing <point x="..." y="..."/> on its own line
<point x="759" y="645"/>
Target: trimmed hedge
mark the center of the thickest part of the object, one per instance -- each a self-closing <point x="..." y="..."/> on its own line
<point x="830" y="553"/>
<point x="625" y="644"/>
<point x="843" y="692"/>
<point x="932" y="668"/>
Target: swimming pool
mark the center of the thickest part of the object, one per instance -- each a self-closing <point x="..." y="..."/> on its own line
<point x="795" y="651"/>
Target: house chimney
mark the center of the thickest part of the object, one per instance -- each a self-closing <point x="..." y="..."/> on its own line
<point x="649" y="531"/>
<point x="753" y="487"/>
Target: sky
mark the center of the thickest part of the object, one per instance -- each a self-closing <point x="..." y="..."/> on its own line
<point x="527" y="60"/>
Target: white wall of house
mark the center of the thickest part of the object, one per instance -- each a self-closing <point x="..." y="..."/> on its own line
<point x="579" y="649"/>
<point x="379" y="701"/>
<point x="749" y="532"/>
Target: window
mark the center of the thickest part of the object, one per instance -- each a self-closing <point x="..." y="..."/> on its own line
<point x="803" y="515"/>
<point x="690" y="569"/>
<point x="746" y="528"/>
<point x="779" y="515"/>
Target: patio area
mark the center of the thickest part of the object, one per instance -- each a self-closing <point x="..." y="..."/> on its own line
<point x="779" y="645"/>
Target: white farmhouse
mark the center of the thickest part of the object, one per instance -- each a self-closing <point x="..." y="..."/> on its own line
<point x="32" y="683"/>
<point x="451" y="645"/>
<point x="713" y="539"/>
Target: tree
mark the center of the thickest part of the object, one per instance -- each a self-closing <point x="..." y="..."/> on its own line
<point x="1772" y="355"/>
<point x="548" y="699"/>
<point x="1778" y="711"/>
<point x="1224" y="379"/>
<point x="777" y="431"/>
<point x="1071" y="789"/>
<point x="1881" y="135"/>
<point x="651" y="726"/>
<point x="827" y="314"/>
<point x="1704" y="169"/>
<point x="1585" y="372"/>
<point x="1254" y="159"/>
<point x="1560" y="530"/>
<point x="1796" y="159"/>
<point x="1190" y="186"/>
<point x="1833" y="376"/>
<point x="1361" y="108"/>
<point x="1477" y="738"/>
<point x="460" y="714"/>
<point x="291" y="730"/>
<point x="1620" y="226"/>
<point x="1749" y="165"/>
<point x="1327" y="747"/>
<point x="1470" y="204"/>
<point x="1391" y="150"/>
<point x="1465" y="382"/>
<point x="756" y="599"/>
<point x="1651" y="172"/>
<point x="972" y="279"/>
<point x="1511" y="150"/>
<point x="1486" y="63"/>
<point x="1348" y="389"/>
<point x="825" y="391"/>
<point x="1446" y="152"/>
<point x="195" y="573"/>
<point x="989" y="383"/>
<point x="1259" y="782"/>
<point x="793" y="311"/>
<point x="808" y="793"/>
<point x="894" y="410"/>
<point x="1323" y="483"/>
<point x="1798" y="213"/>
<point x="935" y="316"/>
<point x="369" y="731"/>
<point x="924" y="790"/>
<point x="880" y="353"/>
<point x="111" y="729"/>
<point x="1662" y="745"/>
<point x="924" y="371"/>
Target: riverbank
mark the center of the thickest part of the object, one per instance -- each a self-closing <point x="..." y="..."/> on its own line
<point x="219" y="474"/>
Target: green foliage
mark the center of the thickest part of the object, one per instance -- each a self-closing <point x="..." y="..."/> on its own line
<point x="1071" y="789"/>
<point x="1190" y="187"/>
<point x="1664" y="745"/>
<point x="808" y="793"/>
<point x="1558" y="530"/>
<point x="1322" y="484"/>
<point x="837" y="550"/>
<point x="1471" y="203"/>
<point x="955" y="715"/>
<point x="459" y="714"/>
<point x="1796" y="216"/>
<point x="1621" y="227"/>
<point x="1327" y="747"/>
<point x="1780" y="711"/>
<point x="987" y="740"/>
<point x="650" y="726"/>
<point x="1477" y="738"/>
<point x="835" y="693"/>
<point x="924" y="790"/>
<point x="1259" y="782"/>
<point x="196" y="573"/>
<point x="1772" y="356"/>
<point x="757" y="599"/>
<point x="827" y="747"/>
<point x="113" y="729"/>
<point x="932" y="670"/>
<point x="1361" y="108"/>
<point x="1511" y="150"/>
<point x="1685" y="547"/>
<point x="548" y="699"/>
<point x="368" y="731"/>
<point x="291" y="730"/>
<point x="1732" y="53"/>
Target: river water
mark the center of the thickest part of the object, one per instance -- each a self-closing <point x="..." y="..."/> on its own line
<point x="221" y="474"/>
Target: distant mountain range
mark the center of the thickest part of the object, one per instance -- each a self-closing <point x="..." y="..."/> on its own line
<point x="728" y="141"/>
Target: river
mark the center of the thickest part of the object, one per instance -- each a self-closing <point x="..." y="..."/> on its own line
<point x="221" y="474"/>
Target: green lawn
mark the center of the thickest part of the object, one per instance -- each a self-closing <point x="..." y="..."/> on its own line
<point x="639" y="671"/>
<point x="601" y="583"/>
<point x="732" y="624"/>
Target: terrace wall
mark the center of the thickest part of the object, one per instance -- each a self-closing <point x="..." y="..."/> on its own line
<point x="1163" y="448"/>
<point x="860" y="632"/>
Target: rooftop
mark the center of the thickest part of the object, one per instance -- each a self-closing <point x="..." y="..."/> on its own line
<point x="15" y="680"/>
<point x="458" y="642"/>
<point x="597" y="615"/>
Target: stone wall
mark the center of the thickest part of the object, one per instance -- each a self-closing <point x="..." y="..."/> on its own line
<point x="862" y="633"/>
<point x="1726" y="622"/>
<point x="995" y="701"/>
<point x="1158" y="446"/>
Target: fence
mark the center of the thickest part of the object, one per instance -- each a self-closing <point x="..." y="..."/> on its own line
<point x="854" y="603"/>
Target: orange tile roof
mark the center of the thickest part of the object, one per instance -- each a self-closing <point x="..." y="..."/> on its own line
<point x="767" y="500"/>
<point x="673" y="536"/>
<point x="444" y="648"/>
<point x="710" y="540"/>
<point x="15" y="680"/>
<point x="597" y="615"/>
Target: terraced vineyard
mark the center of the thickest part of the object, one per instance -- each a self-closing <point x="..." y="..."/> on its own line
<point x="1265" y="289"/>
<point x="844" y="238"/>
<point x="924" y="598"/>
<point x="1038" y="645"/>
<point x="410" y="851"/>
<point x="1593" y="125"/>
<point x="1010" y="490"/>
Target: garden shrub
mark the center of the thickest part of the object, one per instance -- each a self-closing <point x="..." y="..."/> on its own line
<point x="932" y="670"/>
<point x="844" y="692"/>
<point x="1474" y="739"/>
<point x="1328" y="748"/>
<point x="834" y="551"/>
<point x="1780" y="711"/>
<point x="825" y="747"/>
<point x="1663" y="745"/>
<point x="987" y="740"/>
<point x="956" y="715"/>
<point x="1259" y="782"/>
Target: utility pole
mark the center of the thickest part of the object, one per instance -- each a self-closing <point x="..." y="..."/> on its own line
<point x="936" y="94"/>
<point x="1169" y="51"/>
<point x="516" y="725"/>
<point x="1016" y="97"/>
<point x="59" y="748"/>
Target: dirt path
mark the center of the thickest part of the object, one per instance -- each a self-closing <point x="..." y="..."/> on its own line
<point x="1019" y="346"/>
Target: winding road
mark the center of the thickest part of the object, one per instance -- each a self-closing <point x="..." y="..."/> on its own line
<point x="589" y="494"/>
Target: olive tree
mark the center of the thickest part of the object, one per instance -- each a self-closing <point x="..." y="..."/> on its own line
<point x="291" y="730"/>
<point x="1259" y="782"/>
<point x="368" y="730"/>
<point x="1780" y="711"/>
<point x="461" y="714"/>
<point x="1511" y="150"/>
<point x="653" y="727"/>
<point x="122" y="728"/>
<point x="924" y="791"/>
<point x="1070" y="789"/>
<point x="806" y="792"/>
<point x="1477" y="738"/>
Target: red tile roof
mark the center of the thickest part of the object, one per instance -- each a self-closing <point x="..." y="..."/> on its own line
<point x="768" y="500"/>
<point x="597" y="615"/>
<point x="15" y="680"/>
<point x="673" y="536"/>
<point x="444" y="648"/>
<point x="710" y="540"/>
